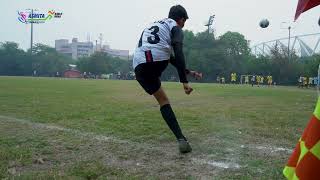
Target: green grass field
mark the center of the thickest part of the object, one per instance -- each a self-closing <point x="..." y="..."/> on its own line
<point x="98" y="129"/>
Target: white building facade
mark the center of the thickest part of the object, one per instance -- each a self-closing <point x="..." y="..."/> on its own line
<point x="74" y="49"/>
<point x="123" y="54"/>
<point x="77" y="49"/>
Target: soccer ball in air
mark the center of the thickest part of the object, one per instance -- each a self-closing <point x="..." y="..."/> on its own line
<point x="264" y="23"/>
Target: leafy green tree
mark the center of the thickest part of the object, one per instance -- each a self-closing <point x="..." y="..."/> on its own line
<point x="13" y="60"/>
<point x="100" y="63"/>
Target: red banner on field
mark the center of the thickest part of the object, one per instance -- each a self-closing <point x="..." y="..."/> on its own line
<point x="305" y="5"/>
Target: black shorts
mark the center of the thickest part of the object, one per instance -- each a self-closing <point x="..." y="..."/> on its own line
<point x="148" y="75"/>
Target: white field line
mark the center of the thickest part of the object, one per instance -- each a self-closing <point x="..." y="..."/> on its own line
<point x="224" y="165"/>
<point x="274" y="149"/>
<point x="58" y="128"/>
<point x="271" y="149"/>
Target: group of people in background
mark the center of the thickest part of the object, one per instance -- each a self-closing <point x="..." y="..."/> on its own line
<point x="303" y="82"/>
<point x="221" y="80"/>
<point x="248" y="79"/>
<point x="307" y="82"/>
<point x="259" y="80"/>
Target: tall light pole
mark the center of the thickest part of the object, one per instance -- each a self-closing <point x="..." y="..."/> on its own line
<point x="289" y="56"/>
<point x="31" y="38"/>
<point x="209" y="24"/>
<point x="31" y="41"/>
<point x="289" y="37"/>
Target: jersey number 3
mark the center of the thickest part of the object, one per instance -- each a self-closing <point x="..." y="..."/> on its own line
<point x="152" y="40"/>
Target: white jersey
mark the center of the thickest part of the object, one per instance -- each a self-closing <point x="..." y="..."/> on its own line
<point x="155" y="42"/>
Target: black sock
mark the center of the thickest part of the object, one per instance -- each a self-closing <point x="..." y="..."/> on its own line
<point x="170" y="118"/>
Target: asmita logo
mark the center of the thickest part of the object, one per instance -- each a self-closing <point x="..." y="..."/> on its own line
<point x="29" y="17"/>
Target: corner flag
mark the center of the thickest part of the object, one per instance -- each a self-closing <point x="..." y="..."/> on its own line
<point x="305" y="5"/>
<point x="304" y="162"/>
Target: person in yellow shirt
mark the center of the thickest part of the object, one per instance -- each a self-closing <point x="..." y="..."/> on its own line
<point x="305" y="81"/>
<point x="233" y="78"/>
<point x="258" y="80"/>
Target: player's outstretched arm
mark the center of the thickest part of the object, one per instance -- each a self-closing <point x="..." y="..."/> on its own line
<point x="195" y="74"/>
<point x="178" y="60"/>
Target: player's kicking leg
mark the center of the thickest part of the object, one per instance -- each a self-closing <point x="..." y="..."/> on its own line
<point x="170" y="118"/>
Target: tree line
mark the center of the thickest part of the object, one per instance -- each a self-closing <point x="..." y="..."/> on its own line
<point x="212" y="56"/>
<point x="46" y="61"/>
<point x="231" y="53"/>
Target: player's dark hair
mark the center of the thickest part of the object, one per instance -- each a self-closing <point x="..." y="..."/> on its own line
<point x="177" y="12"/>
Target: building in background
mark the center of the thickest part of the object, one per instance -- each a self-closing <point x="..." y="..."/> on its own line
<point x="123" y="54"/>
<point x="77" y="49"/>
